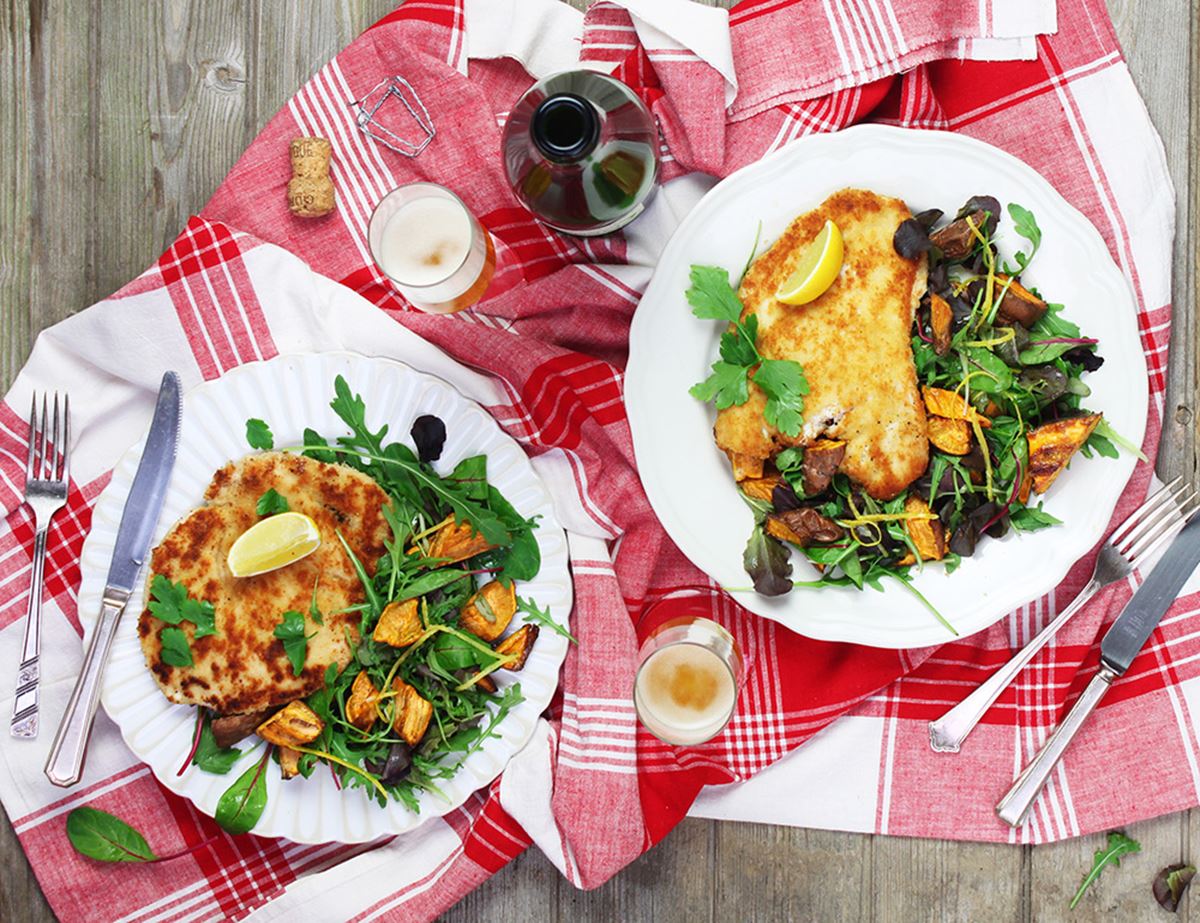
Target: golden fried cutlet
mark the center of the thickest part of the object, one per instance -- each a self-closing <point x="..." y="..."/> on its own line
<point x="243" y="667"/>
<point x="853" y="342"/>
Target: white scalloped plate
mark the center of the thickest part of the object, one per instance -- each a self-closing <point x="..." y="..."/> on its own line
<point x="670" y="350"/>
<point x="290" y="393"/>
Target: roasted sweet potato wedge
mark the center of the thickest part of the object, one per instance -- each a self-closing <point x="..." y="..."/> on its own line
<point x="289" y="762"/>
<point x="951" y="436"/>
<point x="1019" y="305"/>
<point x="360" y="707"/>
<point x="943" y="403"/>
<point x="292" y="726"/>
<point x="803" y="527"/>
<point x="458" y="541"/>
<point x="1051" y="446"/>
<point x="761" y="488"/>
<point x="927" y="534"/>
<point x="957" y="238"/>
<point x="745" y="466"/>
<point x="399" y="624"/>
<point x="412" y="713"/>
<point x="821" y="460"/>
<point x="940" y="318"/>
<point x="487" y="614"/>
<point x="519" y="643"/>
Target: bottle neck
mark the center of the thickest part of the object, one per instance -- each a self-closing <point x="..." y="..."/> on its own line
<point x="565" y="128"/>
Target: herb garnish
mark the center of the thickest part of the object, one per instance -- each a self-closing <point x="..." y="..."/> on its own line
<point x="175" y="648"/>
<point x="258" y="435"/>
<point x="542" y="617"/>
<point x="171" y="603"/>
<point x="1118" y="845"/>
<point x="781" y="380"/>
<point x="290" y="631"/>
<point x="271" y="502"/>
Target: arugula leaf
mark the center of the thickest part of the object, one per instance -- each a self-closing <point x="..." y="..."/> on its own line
<point x="1100" y="445"/>
<point x="1106" y="430"/>
<point x="243" y="802"/>
<point x="258" y="434"/>
<point x="711" y="296"/>
<point x="313" y="439"/>
<point x="727" y="385"/>
<point x="175" y="648"/>
<point x="1030" y="519"/>
<point x="271" y="502"/>
<point x="428" y="582"/>
<point x="106" y="838"/>
<point x="171" y="603"/>
<point x="783" y="381"/>
<point x="1026" y="225"/>
<point x="209" y="756"/>
<point x="1118" y="845"/>
<point x="542" y="617"/>
<point x="314" y="611"/>
<point x="290" y="631"/>
<point x="1052" y="325"/>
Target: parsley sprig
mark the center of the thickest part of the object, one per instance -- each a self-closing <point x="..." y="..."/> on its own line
<point x="170" y="603"/>
<point x="781" y="380"/>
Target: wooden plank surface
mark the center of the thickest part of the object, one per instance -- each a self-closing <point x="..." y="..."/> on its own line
<point x="118" y="119"/>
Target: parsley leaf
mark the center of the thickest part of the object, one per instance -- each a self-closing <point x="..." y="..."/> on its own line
<point x="738" y="349"/>
<point x="290" y="631"/>
<point x="728" y="385"/>
<point x="711" y="296"/>
<point x="171" y="603"/>
<point x="1118" y="845"/>
<point x="542" y="617"/>
<point x="784" y="384"/>
<point x="271" y="502"/>
<point x="258" y="434"/>
<point x="175" y="649"/>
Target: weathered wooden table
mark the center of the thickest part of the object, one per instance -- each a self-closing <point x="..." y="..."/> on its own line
<point x="118" y="119"/>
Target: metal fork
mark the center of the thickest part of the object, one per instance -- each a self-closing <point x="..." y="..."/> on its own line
<point x="47" y="474"/>
<point x="1130" y="544"/>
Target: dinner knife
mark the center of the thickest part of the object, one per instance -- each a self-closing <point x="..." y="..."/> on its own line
<point x="1120" y="645"/>
<point x="65" y="764"/>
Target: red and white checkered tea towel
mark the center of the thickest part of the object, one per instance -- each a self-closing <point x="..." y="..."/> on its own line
<point x="544" y="352"/>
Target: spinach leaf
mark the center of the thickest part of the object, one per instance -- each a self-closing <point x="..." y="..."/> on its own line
<point x="243" y="802"/>
<point x="209" y="756"/>
<point x="471" y="474"/>
<point x="99" y="835"/>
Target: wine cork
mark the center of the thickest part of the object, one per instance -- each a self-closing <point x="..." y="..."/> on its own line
<point x="310" y="190"/>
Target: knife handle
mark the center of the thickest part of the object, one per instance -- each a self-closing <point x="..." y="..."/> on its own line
<point x="1014" y="806"/>
<point x="65" y="765"/>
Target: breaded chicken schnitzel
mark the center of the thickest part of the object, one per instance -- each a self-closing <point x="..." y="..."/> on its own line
<point x="853" y="342"/>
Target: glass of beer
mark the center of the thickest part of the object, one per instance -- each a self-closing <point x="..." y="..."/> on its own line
<point x="689" y="671"/>
<point x="425" y="239"/>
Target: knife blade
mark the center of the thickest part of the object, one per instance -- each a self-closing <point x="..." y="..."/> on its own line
<point x="64" y="767"/>
<point x="1153" y="598"/>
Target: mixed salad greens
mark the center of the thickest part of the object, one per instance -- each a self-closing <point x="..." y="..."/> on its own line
<point x="1001" y="373"/>
<point x="419" y="696"/>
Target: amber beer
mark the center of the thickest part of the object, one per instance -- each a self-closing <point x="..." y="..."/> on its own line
<point x="687" y="681"/>
<point x="425" y="239"/>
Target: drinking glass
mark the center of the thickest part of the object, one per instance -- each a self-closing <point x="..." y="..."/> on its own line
<point x="424" y="238"/>
<point x="690" y="670"/>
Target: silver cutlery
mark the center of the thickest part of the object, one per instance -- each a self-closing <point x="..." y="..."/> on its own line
<point x="65" y="764"/>
<point x="1130" y="545"/>
<point x="1122" y="642"/>
<point x="47" y="478"/>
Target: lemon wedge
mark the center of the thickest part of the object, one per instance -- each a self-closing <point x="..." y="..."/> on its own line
<point x="275" y="542"/>
<point x="819" y="265"/>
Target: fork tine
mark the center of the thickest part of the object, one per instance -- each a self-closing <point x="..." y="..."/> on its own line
<point x="52" y="470"/>
<point x="1164" y="529"/>
<point x="43" y="438"/>
<point x="1166" y="504"/>
<point x="32" y="438"/>
<point x="66" y="441"/>
<point x="1155" y="500"/>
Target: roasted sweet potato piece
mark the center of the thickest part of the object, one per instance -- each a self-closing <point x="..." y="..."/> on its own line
<point x="360" y="707"/>
<point x="927" y="534"/>
<point x="745" y="466"/>
<point x="399" y="624"/>
<point x="761" y="488"/>
<point x="289" y="762"/>
<point x="951" y="436"/>
<point x="941" y="315"/>
<point x="956" y="239"/>
<point x="458" y="541"/>
<point x="943" y="403"/>
<point x="519" y="643"/>
<point x="231" y="729"/>
<point x="821" y="460"/>
<point x="803" y="527"/>
<point x="292" y="726"/>
<point x="1051" y="446"/>
<point x="487" y="614"/>
<point x="1026" y="487"/>
<point x="412" y="713"/>
<point x="486" y="684"/>
<point x="1019" y="305"/>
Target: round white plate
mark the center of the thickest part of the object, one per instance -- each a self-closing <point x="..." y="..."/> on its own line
<point x="290" y="393"/>
<point x="688" y="479"/>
